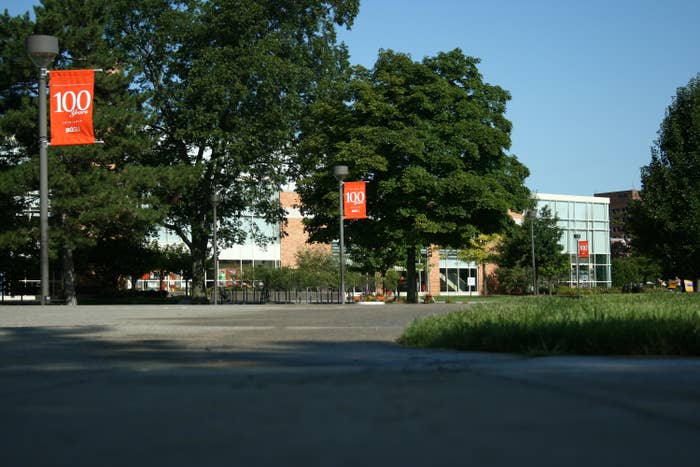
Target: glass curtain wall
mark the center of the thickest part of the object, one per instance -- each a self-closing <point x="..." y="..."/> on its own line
<point x="457" y="276"/>
<point x="588" y="218"/>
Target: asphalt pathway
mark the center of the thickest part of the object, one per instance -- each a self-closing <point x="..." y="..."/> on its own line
<point x="319" y="385"/>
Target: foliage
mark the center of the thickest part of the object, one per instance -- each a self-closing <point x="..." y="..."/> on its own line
<point x="381" y="259"/>
<point x="391" y="280"/>
<point x="430" y="138"/>
<point x="514" y="280"/>
<point x="276" y="278"/>
<point x="650" y="324"/>
<point x="203" y="97"/>
<point x="482" y="249"/>
<point x="318" y="268"/>
<point x="634" y="269"/>
<point x="227" y="83"/>
<point x="550" y="262"/>
<point x="97" y="193"/>
<point x="664" y="224"/>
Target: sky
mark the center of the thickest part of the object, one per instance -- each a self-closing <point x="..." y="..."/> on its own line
<point x="590" y="80"/>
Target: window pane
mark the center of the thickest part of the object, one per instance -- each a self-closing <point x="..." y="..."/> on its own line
<point x="463" y="280"/>
<point x="561" y="210"/>
<point x="600" y="211"/>
<point x="601" y="241"/>
<point x="452" y="280"/>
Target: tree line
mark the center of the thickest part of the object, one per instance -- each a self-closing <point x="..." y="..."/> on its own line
<point x="226" y="101"/>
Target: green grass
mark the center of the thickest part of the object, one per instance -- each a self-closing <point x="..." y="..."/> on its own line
<point x="635" y="324"/>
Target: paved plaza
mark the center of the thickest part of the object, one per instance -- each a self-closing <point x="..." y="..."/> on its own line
<point x="319" y="385"/>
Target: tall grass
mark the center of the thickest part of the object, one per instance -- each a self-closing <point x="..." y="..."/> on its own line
<point x="642" y="324"/>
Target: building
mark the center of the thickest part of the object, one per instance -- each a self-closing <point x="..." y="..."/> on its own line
<point x="440" y="271"/>
<point x="588" y="217"/>
<point x="287" y="240"/>
<point x="619" y="205"/>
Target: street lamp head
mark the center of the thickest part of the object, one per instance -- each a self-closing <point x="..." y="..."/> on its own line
<point x="41" y="49"/>
<point x="340" y="171"/>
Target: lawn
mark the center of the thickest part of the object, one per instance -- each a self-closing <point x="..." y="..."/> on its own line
<point x="616" y="324"/>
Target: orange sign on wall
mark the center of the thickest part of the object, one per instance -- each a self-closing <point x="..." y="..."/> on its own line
<point x="583" y="249"/>
<point x="71" y="98"/>
<point x="354" y="200"/>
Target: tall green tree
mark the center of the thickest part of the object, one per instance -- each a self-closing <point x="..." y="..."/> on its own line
<point x="227" y="84"/>
<point x="18" y="227"/>
<point x="550" y="261"/>
<point x="97" y="193"/>
<point x="430" y="138"/>
<point x="664" y="224"/>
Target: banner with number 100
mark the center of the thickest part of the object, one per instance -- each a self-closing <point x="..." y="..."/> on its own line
<point x="354" y="200"/>
<point x="71" y="98"/>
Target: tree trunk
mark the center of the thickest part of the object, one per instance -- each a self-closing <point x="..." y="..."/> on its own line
<point x="69" y="276"/>
<point x="412" y="292"/>
<point x="484" y="279"/>
<point x="199" y="255"/>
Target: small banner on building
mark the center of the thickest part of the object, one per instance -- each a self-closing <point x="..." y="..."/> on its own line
<point x="71" y="94"/>
<point x="354" y="200"/>
<point x="583" y="249"/>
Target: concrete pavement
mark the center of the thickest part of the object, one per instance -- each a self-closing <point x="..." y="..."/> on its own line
<point x="319" y="385"/>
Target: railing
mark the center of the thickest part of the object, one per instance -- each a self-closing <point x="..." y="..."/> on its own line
<point x="309" y="295"/>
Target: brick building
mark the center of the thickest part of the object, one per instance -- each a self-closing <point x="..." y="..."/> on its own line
<point x="619" y="205"/>
<point x="294" y="238"/>
<point x="440" y="271"/>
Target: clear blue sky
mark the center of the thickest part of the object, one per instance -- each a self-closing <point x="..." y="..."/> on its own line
<point x="590" y="80"/>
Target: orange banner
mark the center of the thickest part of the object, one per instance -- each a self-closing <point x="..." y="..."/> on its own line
<point x="583" y="249"/>
<point x="354" y="200"/>
<point x="71" y="94"/>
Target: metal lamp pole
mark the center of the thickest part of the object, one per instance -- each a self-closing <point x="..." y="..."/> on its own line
<point x="42" y="50"/>
<point x="576" y="238"/>
<point x="340" y="172"/>
<point x="533" y="216"/>
<point x="214" y="201"/>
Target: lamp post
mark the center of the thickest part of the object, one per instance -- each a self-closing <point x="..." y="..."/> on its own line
<point x="532" y="214"/>
<point x="215" y="198"/>
<point x="576" y="238"/>
<point x="42" y="50"/>
<point x="340" y="172"/>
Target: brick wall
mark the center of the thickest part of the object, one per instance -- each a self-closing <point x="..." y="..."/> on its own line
<point x="295" y="238"/>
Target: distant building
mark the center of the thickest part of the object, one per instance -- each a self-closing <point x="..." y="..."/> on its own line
<point x="441" y="271"/>
<point x="619" y="205"/>
<point x="587" y="216"/>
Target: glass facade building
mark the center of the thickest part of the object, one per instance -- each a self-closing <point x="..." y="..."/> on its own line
<point x="457" y="276"/>
<point x="588" y="217"/>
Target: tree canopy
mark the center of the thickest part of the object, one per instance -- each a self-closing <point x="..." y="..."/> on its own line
<point x="227" y="83"/>
<point x="97" y="193"/>
<point x="542" y="234"/>
<point x="430" y="138"/>
<point x="664" y="224"/>
<point x="199" y="99"/>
